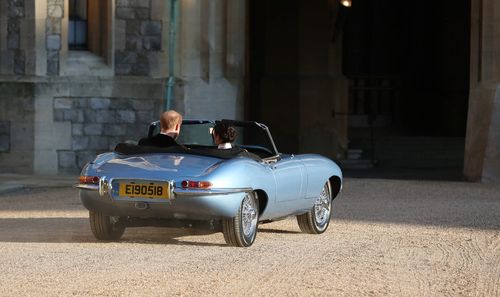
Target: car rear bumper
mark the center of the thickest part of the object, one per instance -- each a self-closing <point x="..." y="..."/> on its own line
<point x="193" y="206"/>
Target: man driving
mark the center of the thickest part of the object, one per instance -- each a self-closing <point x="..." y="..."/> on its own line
<point x="170" y="126"/>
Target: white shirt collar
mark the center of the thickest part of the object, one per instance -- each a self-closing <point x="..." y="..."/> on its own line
<point x="225" y="146"/>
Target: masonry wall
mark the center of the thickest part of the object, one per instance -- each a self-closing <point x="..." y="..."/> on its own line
<point x="482" y="153"/>
<point x="77" y="119"/>
<point x="16" y="127"/>
<point x="60" y="108"/>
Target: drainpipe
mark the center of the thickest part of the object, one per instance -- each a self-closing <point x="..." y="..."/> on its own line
<point x="171" y="52"/>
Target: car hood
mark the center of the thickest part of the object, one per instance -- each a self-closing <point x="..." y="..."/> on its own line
<point x="157" y="166"/>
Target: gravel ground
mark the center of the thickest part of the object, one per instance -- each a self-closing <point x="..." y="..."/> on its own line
<point x="394" y="238"/>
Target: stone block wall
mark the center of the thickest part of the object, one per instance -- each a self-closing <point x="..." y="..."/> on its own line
<point x="99" y="123"/>
<point x="4" y="136"/>
<point x="16" y="127"/>
<point x="55" y="14"/>
<point x="143" y="36"/>
<point x="15" y="16"/>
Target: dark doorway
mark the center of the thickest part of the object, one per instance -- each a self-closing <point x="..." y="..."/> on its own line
<point x="408" y="66"/>
<point x="273" y="69"/>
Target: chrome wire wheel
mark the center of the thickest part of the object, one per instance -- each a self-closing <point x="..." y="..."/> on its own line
<point x="317" y="219"/>
<point x="322" y="207"/>
<point x="241" y="230"/>
<point x="249" y="215"/>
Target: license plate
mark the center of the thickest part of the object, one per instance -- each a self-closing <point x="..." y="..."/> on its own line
<point x="145" y="190"/>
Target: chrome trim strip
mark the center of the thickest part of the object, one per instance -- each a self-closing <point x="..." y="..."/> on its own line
<point x="220" y="191"/>
<point x="87" y="187"/>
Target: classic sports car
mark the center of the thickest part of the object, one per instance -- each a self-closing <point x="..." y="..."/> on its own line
<point x="202" y="187"/>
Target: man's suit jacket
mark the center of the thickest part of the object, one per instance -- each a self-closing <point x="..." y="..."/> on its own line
<point x="159" y="140"/>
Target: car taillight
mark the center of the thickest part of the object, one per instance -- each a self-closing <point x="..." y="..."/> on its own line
<point x="196" y="184"/>
<point x="85" y="179"/>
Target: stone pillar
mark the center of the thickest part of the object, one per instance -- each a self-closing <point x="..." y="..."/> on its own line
<point x="482" y="158"/>
<point x="55" y="14"/>
<point x="40" y="37"/>
<point x="3" y="37"/>
<point x="15" y="62"/>
<point x="139" y="37"/>
<point x="211" y="59"/>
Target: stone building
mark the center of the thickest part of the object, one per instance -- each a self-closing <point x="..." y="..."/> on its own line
<point x="385" y="83"/>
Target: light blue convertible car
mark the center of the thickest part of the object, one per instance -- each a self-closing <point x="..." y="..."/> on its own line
<point x="201" y="187"/>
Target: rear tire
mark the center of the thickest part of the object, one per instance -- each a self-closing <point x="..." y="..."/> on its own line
<point x="105" y="227"/>
<point x="241" y="230"/>
<point x="317" y="219"/>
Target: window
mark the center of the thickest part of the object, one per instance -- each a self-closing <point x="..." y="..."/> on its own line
<point x="78" y="25"/>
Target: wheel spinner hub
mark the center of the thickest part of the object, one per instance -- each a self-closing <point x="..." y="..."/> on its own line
<point x="249" y="216"/>
<point x="322" y="207"/>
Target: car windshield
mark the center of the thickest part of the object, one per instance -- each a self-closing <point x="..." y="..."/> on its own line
<point x="251" y="136"/>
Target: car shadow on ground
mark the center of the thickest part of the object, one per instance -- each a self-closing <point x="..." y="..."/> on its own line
<point x="277" y="231"/>
<point x="77" y="230"/>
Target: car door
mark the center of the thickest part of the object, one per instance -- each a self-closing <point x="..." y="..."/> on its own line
<point x="289" y="174"/>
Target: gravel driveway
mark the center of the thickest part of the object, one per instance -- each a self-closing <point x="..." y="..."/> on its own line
<point x="394" y="238"/>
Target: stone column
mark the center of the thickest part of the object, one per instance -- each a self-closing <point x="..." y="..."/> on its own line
<point x="482" y="157"/>
<point x="3" y="37"/>
<point x="16" y="53"/>
<point x="40" y="37"/>
<point x="211" y="58"/>
<point x="55" y="14"/>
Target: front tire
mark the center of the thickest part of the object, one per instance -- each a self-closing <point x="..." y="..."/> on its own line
<point x="241" y="230"/>
<point x="317" y="219"/>
<point x="105" y="227"/>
